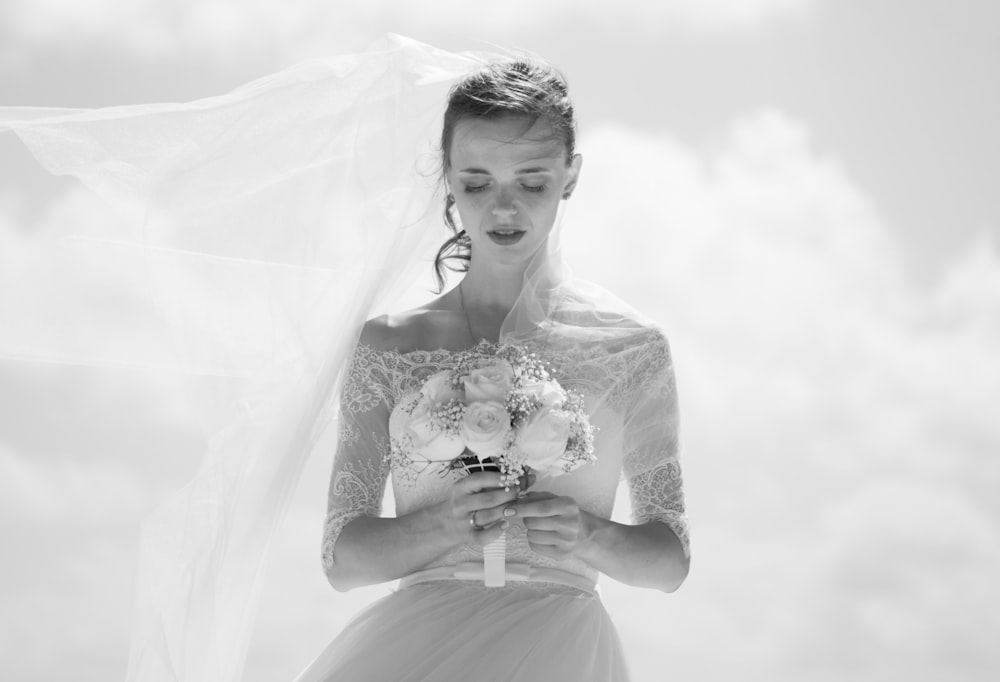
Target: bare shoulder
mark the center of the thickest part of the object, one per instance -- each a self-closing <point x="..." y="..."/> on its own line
<point x="378" y="334"/>
<point x="424" y="328"/>
<point x="391" y="332"/>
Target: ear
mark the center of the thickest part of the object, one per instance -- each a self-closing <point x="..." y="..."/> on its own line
<point x="572" y="176"/>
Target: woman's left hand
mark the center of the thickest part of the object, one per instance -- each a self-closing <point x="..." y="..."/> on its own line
<point x="556" y="526"/>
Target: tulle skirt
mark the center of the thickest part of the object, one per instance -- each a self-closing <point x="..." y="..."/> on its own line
<point x="452" y="631"/>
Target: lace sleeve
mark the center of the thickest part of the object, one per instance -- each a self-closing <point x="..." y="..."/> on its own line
<point x="360" y="467"/>
<point x="652" y="446"/>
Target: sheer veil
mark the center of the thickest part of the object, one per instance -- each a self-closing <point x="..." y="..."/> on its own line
<point x="260" y="229"/>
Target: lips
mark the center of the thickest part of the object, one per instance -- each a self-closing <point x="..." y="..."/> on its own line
<point x="505" y="235"/>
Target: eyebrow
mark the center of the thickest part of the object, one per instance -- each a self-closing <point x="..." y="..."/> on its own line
<point x="523" y="171"/>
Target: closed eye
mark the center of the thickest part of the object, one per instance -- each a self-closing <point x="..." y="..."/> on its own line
<point x="474" y="189"/>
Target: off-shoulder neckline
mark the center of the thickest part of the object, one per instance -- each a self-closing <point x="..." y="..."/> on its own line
<point x="483" y="344"/>
<point x="427" y="351"/>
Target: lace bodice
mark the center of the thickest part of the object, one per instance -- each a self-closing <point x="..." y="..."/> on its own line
<point x="637" y="438"/>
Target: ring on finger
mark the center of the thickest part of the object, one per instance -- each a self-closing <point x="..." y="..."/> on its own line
<point x="472" y="521"/>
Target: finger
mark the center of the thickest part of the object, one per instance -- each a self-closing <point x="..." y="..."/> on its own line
<point x="551" y="551"/>
<point x="525" y="497"/>
<point x="545" y="539"/>
<point x="481" y="480"/>
<point x="537" y="495"/>
<point x="488" y="534"/>
<point x="489" y="498"/>
<point x="492" y="515"/>
<point x="543" y="523"/>
<point x="546" y="506"/>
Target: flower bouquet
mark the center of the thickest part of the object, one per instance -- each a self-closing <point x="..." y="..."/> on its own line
<point x="497" y="410"/>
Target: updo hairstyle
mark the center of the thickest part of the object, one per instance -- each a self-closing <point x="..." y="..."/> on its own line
<point x="529" y="89"/>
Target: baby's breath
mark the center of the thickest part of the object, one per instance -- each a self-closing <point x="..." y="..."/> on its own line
<point x="528" y="369"/>
<point x="447" y="416"/>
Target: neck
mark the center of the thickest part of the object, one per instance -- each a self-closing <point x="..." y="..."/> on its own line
<point x="485" y="298"/>
<point x="492" y="290"/>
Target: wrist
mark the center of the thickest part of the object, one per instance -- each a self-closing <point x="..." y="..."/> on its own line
<point x="433" y="523"/>
<point x="592" y="531"/>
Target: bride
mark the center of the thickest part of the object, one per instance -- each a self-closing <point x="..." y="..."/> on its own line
<point x="508" y="161"/>
<point x="246" y="218"/>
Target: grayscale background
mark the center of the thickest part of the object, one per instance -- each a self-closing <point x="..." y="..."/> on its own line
<point x="803" y="192"/>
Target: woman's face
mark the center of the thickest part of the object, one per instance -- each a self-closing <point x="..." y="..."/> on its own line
<point x="508" y="178"/>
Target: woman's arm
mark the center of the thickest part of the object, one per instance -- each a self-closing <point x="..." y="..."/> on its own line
<point x="359" y="546"/>
<point x="655" y="551"/>
<point x="375" y="549"/>
<point x="372" y="549"/>
<point x="645" y="555"/>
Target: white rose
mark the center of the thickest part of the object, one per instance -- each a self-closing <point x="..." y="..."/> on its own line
<point x="489" y="382"/>
<point x="428" y="439"/>
<point x="485" y="427"/>
<point x="437" y="389"/>
<point x="549" y="393"/>
<point x="542" y="438"/>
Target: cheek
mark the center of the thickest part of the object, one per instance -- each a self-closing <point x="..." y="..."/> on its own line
<point x="474" y="203"/>
<point x="543" y="209"/>
<point x="469" y="210"/>
<point x="538" y="202"/>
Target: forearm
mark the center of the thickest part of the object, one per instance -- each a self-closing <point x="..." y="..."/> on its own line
<point x="373" y="550"/>
<point x="647" y="555"/>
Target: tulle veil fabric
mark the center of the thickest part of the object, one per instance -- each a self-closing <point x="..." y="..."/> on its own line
<point x="261" y="228"/>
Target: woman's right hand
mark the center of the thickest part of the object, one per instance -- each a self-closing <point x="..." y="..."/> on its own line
<point x="481" y="498"/>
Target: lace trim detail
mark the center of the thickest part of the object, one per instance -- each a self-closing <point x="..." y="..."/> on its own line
<point x="621" y="373"/>
<point x="356" y="491"/>
<point x="639" y="374"/>
<point x="367" y="384"/>
<point x="658" y="495"/>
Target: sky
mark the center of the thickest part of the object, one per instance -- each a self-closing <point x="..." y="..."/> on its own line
<point x="800" y="191"/>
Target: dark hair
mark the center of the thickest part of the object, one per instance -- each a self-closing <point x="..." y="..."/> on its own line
<point x="531" y="89"/>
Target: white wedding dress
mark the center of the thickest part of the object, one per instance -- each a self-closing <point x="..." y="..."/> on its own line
<point x="548" y="623"/>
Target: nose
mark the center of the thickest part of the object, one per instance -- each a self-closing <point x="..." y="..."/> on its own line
<point x="504" y="206"/>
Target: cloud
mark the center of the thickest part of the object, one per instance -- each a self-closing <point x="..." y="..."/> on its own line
<point x="228" y="27"/>
<point x="67" y="491"/>
<point x="917" y="562"/>
<point x="68" y="298"/>
<point x="68" y="528"/>
<point x="816" y="383"/>
<point x="839" y="446"/>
